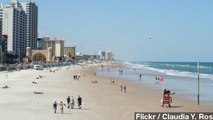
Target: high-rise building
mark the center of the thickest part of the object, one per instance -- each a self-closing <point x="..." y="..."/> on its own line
<point x="57" y="46"/>
<point x="14" y="26"/>
<point x="0" y="27"/>
<point x="40" y="43"/>
<point x="31" y="10"/>
<point x="106" y="55"/>
<point x="102" y="55"/>
<point x="70" y="51"/>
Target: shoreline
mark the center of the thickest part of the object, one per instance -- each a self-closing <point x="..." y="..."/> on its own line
<point x="184" y="86"/>
<point x="101" y="101"/>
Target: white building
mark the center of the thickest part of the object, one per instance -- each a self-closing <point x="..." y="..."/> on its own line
<point x="31" y="10"/>
<point x="102" y="55"/>
<point x="14" y="26"/>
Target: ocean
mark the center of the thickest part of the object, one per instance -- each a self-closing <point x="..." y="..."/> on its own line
<point x="180" y="77"/>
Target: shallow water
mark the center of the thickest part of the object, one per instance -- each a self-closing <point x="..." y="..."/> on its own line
<point x="181" y="85"/>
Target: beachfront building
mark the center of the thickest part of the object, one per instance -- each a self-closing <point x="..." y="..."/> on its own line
<point x="14" y="26"/>
<point x="86" y="57"/>
<point x="70" y="52"/>
<point x="31" y="10"/>
<point x="39" y="55"/>
<point x="0" y="27"/>
<point x="4" y="43"/>
<point x="40" y="43"/>
<point x="57" y="46"/>
<point x="49" y="50"/>
<point x="102" y="55"/>
<point x="106" y="55"/>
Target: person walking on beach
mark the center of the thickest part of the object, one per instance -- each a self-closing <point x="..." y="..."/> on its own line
<point x="157" y="80"/>
<point x="55" y="106"/>
<point x="121" y="88"/>
<point x="79" y="102"/>
<point x="61" y="104"/>
<point x="140" y="76"/>
<point x="79" y="75"/>
<point x="72" y="103"/>
<point x="125" y="88"/>
<point x="68" y="102"/>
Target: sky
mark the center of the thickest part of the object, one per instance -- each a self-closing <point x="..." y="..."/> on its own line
<point x="135" y="30"/>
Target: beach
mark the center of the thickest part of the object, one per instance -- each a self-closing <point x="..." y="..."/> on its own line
<point x="101" y="100"/>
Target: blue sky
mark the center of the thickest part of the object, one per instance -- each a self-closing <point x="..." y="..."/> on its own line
<point x="180" y="30"/>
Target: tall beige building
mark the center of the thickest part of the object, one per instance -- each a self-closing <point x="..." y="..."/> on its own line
<point x="70" y="51"/>
<point x="57" y="46"/>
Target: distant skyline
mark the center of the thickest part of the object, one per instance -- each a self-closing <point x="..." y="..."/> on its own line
<point x="135" y="30"/>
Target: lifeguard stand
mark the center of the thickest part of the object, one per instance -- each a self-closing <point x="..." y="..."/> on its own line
<point x="167" y="99"/>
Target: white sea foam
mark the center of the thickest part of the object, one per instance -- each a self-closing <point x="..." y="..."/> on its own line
<point x="174" y="72"/>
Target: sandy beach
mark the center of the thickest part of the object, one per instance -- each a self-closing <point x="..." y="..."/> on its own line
<point x="101" y="100"/>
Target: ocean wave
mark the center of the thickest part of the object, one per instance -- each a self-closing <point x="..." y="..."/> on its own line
<point x="172" y="72"/>
<point x="135" y="65"/>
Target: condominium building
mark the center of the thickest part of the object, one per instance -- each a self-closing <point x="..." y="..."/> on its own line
<point x="106" y="55"/>
<point x="14" y="26"/>
<point x="102" y="55"/>
<point x="0" y="26"/>
<point x="70" y="51"/>
<point x="57" y="46"/>
<point x="31" y="10"/>
<point x="40" y="43"/>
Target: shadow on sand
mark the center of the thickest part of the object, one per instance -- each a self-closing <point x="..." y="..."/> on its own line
<point x="82" y="109"/>
<point x="176" y="106"/>
<point x="63" y="113"/>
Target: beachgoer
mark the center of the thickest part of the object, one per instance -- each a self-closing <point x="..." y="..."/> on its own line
<point x="140" y="76"/>
<point x="79" y="75"/>
<point x="34" y="82"/>
<point x="61" y="104"/>
<point x="5" y="86"/>
<point x="121" y="88"/>
<point x="125" y="88"/>
<point x="79" y="102"/>
<point x="68" y="102"/>
<point x="72" y="103"/>
<point x="157" y="80"/>
<point x="121" y="72"/>
<point x="55" y="106"/>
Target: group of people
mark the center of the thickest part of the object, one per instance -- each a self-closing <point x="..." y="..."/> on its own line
<point x="39" y="77"/>
<point x="76" y="77"/>
<point x="70" y="104"/>
<point x="123" y="88"/>
<point x="120" y="72"/>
